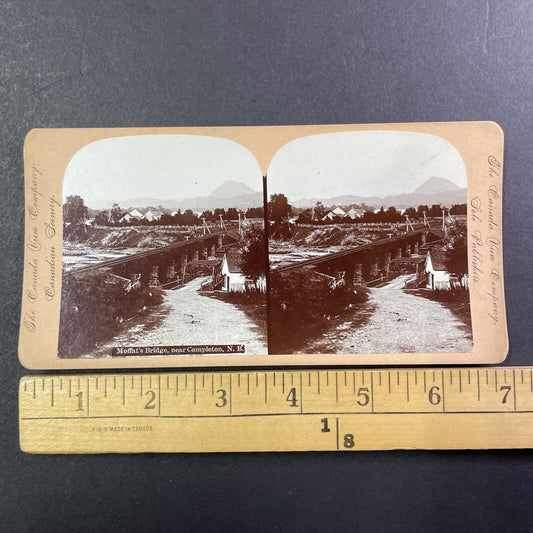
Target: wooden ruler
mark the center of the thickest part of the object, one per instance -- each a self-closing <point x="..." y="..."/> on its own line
<point x="276" y="410"/>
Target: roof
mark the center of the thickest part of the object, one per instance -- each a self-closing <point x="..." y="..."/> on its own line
<point x="438" y="258"/>
<point x="233" y="259"/>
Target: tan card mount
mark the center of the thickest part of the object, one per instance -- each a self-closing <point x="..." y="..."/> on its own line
<point x="280" y="245"/>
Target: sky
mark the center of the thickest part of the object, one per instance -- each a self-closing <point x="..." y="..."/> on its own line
<point x="362" y="163"/>
<point x="157" y="166"/>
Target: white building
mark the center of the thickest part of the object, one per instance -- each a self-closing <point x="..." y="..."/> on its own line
<point x="438" y="278"/>
<point x="335" y="213"/>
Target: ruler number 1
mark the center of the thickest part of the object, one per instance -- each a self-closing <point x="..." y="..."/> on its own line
<point x="80" y="401"/>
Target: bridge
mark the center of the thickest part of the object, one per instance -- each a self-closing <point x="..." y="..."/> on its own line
<point x="369" y="262"/>
<point x="163" y="266"/>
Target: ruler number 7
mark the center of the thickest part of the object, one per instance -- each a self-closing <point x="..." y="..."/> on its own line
<point x="507" y="389"/>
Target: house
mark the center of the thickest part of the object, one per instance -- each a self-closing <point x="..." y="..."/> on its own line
<point x="134" y="214"/>
<point x="233" y="279"/>
<point x="438" y="278"/>
<point x="353" y="213"/>
<point x="335" y="213"/>
<point x="152" y="215"/>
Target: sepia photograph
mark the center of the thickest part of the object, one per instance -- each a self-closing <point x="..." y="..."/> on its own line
<point x="163" y="249"/>
<point x="368" y="245"/>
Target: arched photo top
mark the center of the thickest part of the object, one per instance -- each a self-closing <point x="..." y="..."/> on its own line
<point x="163" y="170"/>
<point x="354" y="166"/>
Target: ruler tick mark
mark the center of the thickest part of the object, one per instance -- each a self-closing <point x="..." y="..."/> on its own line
<point x="25" y="386"/>
<point x="345" y="383"/>
<point x="96" y="384"/>
<point x="230" y="396"/>
<point x="212" y="384"/>
<point x="379" y="375"/>
<point x="52" y="392"/>
<point x="168" y="382"/>
<point x="132" y="381"/>
<point x="105" y="388"/>
<point x="407" y="387"/>
<point x="416" y="378"/>
<point x="469" y="377"/>
<point x="478" y="388"/>
<point x="451" y="377"/>
<point x="460" y="382"/>
<point x="124" y="390"/>
<point x="308" y="379"/>
<point x="34" y="389"/>
<point x="177" y="384"/>
<point x="70" y="388"/>
<point x="221" y="376"/>
<point x="327" y="379"/>
<point x="114" y="383"/>
<point x="389" y="381"/>
<point x="514" y="390"/>
<point x="505" y="376"/>
<point x="194" y="382"/>
<point x="496" y="380"/>
<point x="256" y="379"/>
<point x="61" y="384"/>
<point x="283" y="382"/>
<point x="274" y="377"/>
<point x="397" y="377"/>
<point x="141" y="385"/>
<point x="318" y="382"/>
<point x="336" y="388"/>
<point x="43" y="383"/>
<point x="266" y="388"/>
<point x="239" y="380"/>
<point x="248" y="380"/>
<point x="363" y="377"/>
<point x="425" y="385"/>
<point x="292" y="379"/>
<point x="522" y="375"/>
<point x="353" y="381"/>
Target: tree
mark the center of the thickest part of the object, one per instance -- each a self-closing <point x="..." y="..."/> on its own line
<point x="253" y="254"/>
<point x="74" y="210"/>
<point x="232" y="214"/>
<point x="115" y="214"/>
<point x="456" y="260"/>
<point x="279" y="209"/>
<point x="319" y="211"/>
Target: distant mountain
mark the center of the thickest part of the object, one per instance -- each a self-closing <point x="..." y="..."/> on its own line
<point x="434" y="190"/>
<point x="231" y="189"/>
<point x="436" y="184"/>
<point x="229" y="194"/>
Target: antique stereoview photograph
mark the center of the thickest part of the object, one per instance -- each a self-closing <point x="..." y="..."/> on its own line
<point x="263" y="246"/>
<point x="163" y="249"/>
<point x="368" y="245"/>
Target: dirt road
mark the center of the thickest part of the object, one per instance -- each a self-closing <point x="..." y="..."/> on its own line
<point x="401" y="323"/>
<point x="187" y="317"/>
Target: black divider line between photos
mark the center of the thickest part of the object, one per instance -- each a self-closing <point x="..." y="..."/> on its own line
<point x="267" y="262"/>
